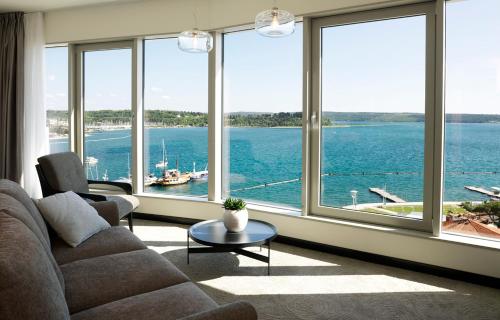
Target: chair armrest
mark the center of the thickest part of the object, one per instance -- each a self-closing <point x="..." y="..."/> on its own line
<point x="93" y="197"/>
<point x="108" y="210"/>
<point x="234" y="311"/>
<point x="126" y="187"/>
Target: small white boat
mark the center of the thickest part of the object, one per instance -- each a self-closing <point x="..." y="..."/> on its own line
<point x="105" y="176"/>
<point x="199" y="175"/>
<point x="150" y="179"/>
<point x="164" y="162"/>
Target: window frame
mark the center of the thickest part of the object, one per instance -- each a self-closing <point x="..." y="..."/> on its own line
<point x="315" y="207"/>
<point x="218" y="78"/>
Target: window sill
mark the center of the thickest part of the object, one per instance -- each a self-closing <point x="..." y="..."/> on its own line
<point x="296" y="214"/>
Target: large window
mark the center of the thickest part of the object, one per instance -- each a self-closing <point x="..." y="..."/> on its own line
<point x="175" y="120"/>
<point x="263" y="117"/>
<point x="372" y="104"/>
<point x="472" y="145"/>
<point x="107" y="96"/>
<point x="56" y="97"/>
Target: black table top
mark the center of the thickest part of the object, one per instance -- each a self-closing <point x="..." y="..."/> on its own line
<point x="213" y="233"/>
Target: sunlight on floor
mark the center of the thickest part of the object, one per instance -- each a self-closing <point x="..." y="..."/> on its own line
<point x="336" y="284"/>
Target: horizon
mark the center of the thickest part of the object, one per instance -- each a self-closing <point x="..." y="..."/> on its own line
<point x="269" y="112"/>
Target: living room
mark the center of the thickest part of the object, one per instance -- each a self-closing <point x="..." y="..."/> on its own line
<point x="217" y="159"/>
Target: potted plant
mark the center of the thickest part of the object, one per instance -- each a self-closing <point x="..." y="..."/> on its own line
<point x="235" y="214"/>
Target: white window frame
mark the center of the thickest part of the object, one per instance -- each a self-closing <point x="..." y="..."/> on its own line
<point x="315" y="207"/>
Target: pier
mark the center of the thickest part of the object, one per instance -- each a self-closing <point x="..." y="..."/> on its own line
<point x="483" y="191"/>
<point x="387" y="195"/>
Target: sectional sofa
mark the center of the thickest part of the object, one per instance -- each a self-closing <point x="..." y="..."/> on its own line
<point x="112" y="275"/>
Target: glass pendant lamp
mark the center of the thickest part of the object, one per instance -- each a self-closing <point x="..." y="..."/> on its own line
<point x="275" y="23"/>
<point x="195" y="41"/>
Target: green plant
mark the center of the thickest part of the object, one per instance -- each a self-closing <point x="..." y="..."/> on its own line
<point x="234" y="204"/>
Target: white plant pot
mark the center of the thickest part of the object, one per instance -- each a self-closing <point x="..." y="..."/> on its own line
<point x="235" y="220"/>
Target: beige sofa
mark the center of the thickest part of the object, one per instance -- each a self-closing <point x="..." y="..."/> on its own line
<point x="112" y="275"/>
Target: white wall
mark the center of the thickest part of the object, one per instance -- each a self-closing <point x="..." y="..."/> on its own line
<point x="172" y="16"/>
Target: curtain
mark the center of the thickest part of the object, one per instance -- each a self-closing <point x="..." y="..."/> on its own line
<point x="36" y="136"/>
<point x="11" y="94"/>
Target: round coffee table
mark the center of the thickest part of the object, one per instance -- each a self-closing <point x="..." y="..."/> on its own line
<point x="213" y="234"/>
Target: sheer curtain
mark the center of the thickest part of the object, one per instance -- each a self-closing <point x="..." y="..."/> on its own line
<point x="36" y="137"/>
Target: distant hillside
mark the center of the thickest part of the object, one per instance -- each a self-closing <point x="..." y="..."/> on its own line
<point x="407" y="117"/>
<point x="162" y="118"/>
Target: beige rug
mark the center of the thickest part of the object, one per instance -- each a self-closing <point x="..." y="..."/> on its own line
<point x="306" y="284"/>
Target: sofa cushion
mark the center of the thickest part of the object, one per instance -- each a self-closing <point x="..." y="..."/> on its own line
<point x="168" y="303"/>
<point x="16" y="209"/>
<point x="96" y="281"/>
<point x="29" y="288"/>
<point x="17" y="192"/>
<point x="64" y="172"/>
<point x="109" y="241"/>
<point x="71" y="217"/>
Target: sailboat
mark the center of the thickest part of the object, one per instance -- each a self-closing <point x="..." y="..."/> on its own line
<point x="199" y="175"/>
<point x="105" y="176"/>
<point x="127" y="179"/>
<point x="164" y="162"/>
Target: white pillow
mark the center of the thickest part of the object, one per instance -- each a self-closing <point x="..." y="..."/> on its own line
<point x="71" y="217"/>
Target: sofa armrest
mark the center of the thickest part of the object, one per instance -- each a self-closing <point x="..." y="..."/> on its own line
<point x="234" y="311"/>
<point x="108" y="210"/>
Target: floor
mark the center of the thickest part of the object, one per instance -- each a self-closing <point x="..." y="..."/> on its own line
<point x="307" y="284"/>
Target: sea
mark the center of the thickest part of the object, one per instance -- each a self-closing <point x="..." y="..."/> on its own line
<point x="264" y="165"/>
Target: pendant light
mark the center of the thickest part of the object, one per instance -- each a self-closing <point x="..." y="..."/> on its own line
<point x="275" y="23"/>
<point x="195" y="41"/>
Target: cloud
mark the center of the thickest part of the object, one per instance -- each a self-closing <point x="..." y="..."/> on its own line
<point x="156" y="89"/>
<point x="112" y="94"/>
<point x="52" y="77"/>
<point x="166" y="97"/>
<point x="49" y="95"/>
<point x="61" y="94"/>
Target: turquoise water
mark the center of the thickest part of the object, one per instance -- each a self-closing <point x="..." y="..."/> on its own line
<point x="366" y="155"/>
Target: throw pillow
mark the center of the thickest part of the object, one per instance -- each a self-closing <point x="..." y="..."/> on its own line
<point x="73" y="219"/>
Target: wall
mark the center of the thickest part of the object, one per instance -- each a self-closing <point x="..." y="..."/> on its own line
<point x="155" y="17"/>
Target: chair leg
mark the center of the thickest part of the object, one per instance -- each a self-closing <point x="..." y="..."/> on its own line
<point x="130" y="223"/>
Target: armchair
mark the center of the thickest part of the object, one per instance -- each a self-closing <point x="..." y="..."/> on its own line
<point x="61" y="172"/>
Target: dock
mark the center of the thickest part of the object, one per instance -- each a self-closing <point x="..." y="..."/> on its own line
<point x="387" y="195"/>
<point x="483" y="191"/>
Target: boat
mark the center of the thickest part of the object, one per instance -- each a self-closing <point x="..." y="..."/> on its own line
<point x="91" y="168"/>
<point x="199" y="175"/>
<point x="171" y="177"/>
<point x="164" y="162"/>
<point x="127" y="179"/>
<point x="149" y="179"/>
<point x="105" y="176"/>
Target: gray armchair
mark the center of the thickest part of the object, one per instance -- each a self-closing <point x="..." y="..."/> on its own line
<point x="61" y="172"/>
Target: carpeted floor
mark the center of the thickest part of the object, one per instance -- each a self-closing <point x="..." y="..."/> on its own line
<point x="306" y="284"/>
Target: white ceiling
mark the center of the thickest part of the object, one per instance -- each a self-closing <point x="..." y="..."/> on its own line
<point x="45" y="5"/>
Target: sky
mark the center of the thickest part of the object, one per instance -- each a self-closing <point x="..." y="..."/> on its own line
<point x="367" y="67"/>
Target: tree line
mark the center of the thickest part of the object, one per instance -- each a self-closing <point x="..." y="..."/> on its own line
<point x="163" y="118"/>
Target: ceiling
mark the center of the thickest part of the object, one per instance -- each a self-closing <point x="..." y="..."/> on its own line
<point x="45" y="5"/>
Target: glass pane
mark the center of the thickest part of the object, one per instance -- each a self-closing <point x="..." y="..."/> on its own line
<point x="472" y="146"/>
<point x="107" y="114"/>
<point x="56" y="97"/>
<point x="262" y="149"/>
<point x="373" y="105"/>
<point x="175" y="120"/>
